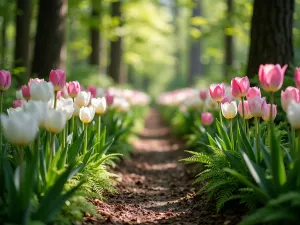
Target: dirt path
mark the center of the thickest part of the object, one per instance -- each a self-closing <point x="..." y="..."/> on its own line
<point x="154" y="188"/>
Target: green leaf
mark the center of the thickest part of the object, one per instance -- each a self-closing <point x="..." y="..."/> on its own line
<point x="224" y="136"/>
<point x="75" y="148"/>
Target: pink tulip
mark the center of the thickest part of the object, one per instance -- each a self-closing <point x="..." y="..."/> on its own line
<point x="217" y="91"/>
<point x="63" y="93"/>
<point x="109" y="99"/>
<point x="5" y="80"/>
<point x="257" y="106"/>
<point x="271" y="76"/>
<point x="247" y="112"/>
<point x="203" y="95"/>
<point x="253" y="92"/>
<point x="297" y="77"/>
<point x="93" y="90"/>
<point x="18" y="103"/>
<point x="227" y="98"/>
<point x="35" y="80"/>
<point x="290" y="94"/>
<point x="58" y="79"/>
<point x="207" y="118"/>
<point x="266" y="117"/>
<point x="73" y="88"/>
<point x="240" y="86"/>
<point x="26" y="91"/>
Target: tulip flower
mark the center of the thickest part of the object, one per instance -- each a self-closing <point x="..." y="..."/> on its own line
<point x="193" y="103"/>
<point x="290" y="94"/>
<point x="86" y="114"/>
<point x="93" y="90"/>
<point x="227" y="98"/>
<point x="240" y="87"/>
<point x="217" y="91"/>
<point x="297" y="77"/>
<point x="55" y="121"/>
<point x="66" y="106"/>
<point x="207" y="118"/>
<point x="203" y="95"/>
<point x="99" y="104"/>
<point x="19" y="95"/>
<point x="253" y="92"/>
<point x="41" y="91"/>
<point x="35" y="80"/>
<point x="18" y="103"/>
<point x="76" y="110"/>
<point x="73" y="88"/>
<point x="293" y="112"/>
<point x="37" y="109"/>
<point x="229" y="110"/>
<point x="12" y="111"/>
<point x="257" y="106"/>
<point x="21" y="128"/>
<point x="271" y="76"/>
<point x="247" y="113"/>
<point x="5" y="80"/>
<point x="266" y="117"/>
<point x="63" y="93"/>
<point x="82" y="99"/>
<point x="25" y="92"/>
<point x="58" y="79"/>
<point x="109" y="99"/>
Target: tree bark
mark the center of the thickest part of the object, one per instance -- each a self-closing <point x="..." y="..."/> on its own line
<point x="95" y="40"/>
<point x="50" y="49"/>
<point x="22" y="39"/>
<point x="114" y="68"/>
<point x="271" y="34"/>
<point x="3" y="36"/>
<point x="195" y="65"/>
<point x="229" y="47"/>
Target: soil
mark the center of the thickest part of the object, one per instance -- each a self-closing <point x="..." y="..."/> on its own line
<point x="155" y="188"/>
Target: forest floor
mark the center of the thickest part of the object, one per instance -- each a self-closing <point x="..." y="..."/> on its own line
<point x="155" y="188"/>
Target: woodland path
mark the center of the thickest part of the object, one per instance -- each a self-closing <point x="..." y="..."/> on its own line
<point x="154" y="188"/>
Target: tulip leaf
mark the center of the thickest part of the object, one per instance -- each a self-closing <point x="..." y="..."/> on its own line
<point x="266" y="154"/>
<point x="224" y="136"/>
<point x="75" y="148"/>
<point x="244" y="141"/>
<point x="106" y="147"/>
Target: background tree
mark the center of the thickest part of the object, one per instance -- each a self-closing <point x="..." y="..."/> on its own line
<point x="95" y="41"/>
<point x="50" y="49"/>
<point x="271" y="34"/>
<point x="229" y="48"/>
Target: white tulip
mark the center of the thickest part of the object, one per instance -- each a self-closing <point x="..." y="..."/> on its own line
<point x="100" y="92"/>
<point x="86" y="114"/>
<point x="124" y="106"/>
<point x="82" y="99"/>
<point x="55" y="121"/>
<point x="66" y="106"/>
<point x="76" y="110"/>
<point x="37" y="109"/>
<point x="229" y="110"/>
<point x="19" y="129"/>
<point x="42" y="91"/>
<point x="99" y="104"/>
<point x="12" y="111"/>
<point x="19" y="95"/>
<point x="293" y="112"/>
<point x="193" y="103"/>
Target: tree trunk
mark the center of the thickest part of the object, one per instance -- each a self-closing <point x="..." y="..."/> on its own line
<point x="229" y="48"/>
<point x="95" y="41"/>
<point x="114" y="68"/>
<point x="50" y="49"/>
<point x="271" y="34"/>
<point x="3" y="36"/>
<point x="22" y="39"/>
<point x="195" y="65"/>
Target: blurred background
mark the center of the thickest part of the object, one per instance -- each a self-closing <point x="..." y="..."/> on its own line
<point x="150" y="45"/>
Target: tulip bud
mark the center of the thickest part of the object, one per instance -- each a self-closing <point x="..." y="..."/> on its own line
<point x="86" y="114"/>
<point x="83" y="99"/>
<point x="247" y="112"/>
<point x="240" y="86"/>
<point x="227" y="98"/>
<point x="253" y="92"/>
<point x="5" y="80"/>
<point x="207" y="118"/>
<point x="257" y="106"/>
<point x="26" y="92"/>
<point x="55" y="121"/>
<point x="18" y="103"/>
<point x="99" y="104"/>
<point x="58" y="79"/>
<point x="229" y="110"/>
<point x="297" y="77"/>
<point x="266" y="117"/>
<point x="41" y="91"/>
<point x="21" y="128"/>
<point x="293" y="112"/>
<point x="63" y="93"/>
<point x="109" y="99"/>
<point x="93" y="90"/>
<point x="73" y="88"/>
<point x="271" y="76"/>
<point x="290" y="94"/>
<point x="217" y="92"/>
<point x="203" y="95"/>
<point x="66" y="106"/>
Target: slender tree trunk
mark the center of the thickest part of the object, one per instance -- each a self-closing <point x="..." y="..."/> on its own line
<point x="3" y="34"/>
<point x="195" y="65"/>
<point x="50" y="49"/>
<point x="177" y="52"/>
<point x="95" y="40"/>
<point x="271" y="34"/>
<point x="22" y="39"/>
<point x="114" y="68"/>
<point x="229" y="47"/>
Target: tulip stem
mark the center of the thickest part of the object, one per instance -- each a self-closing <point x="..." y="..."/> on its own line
<point x="99" y="132"/>
<point x="257" y="139"/>
<point x="52" y="144"/>
<point x="298" y="147"/>
<point x="243" y="111"/>
<point x="247" y="127"/>
<point x="55" y="99"/>
<point x="293" y="137"/>
<point x="231" y="134"/>
<point x="219" y="106"/>
<point x="73" y="126"/>
<point x="1" y="110"/>
<point x="85" y="138"/>
<point x="21" y="157"/>
<point x="64" y="138"/>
